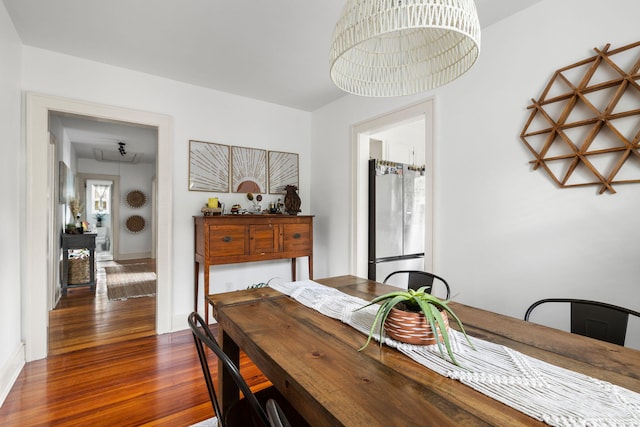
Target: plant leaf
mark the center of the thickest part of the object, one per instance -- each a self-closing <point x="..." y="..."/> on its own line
<point x="431" y="306"/>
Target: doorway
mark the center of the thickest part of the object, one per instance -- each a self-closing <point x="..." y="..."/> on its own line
<point x="100" y="209"/>
<point x="362" y="136"/>
<point x="37" y="283"/>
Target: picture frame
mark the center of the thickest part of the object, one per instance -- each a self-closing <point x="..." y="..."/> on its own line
<point x="208" y="166"/>
<point x="283" y="171"/>
<point x="248" y="170"/>
<point x="66" y="184"/>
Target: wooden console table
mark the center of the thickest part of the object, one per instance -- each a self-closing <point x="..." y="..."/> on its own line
<point x="78" y="241"/>
<point x="229" y="239"/>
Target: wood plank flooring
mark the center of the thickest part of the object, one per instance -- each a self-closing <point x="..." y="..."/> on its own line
<point x="107" y="367"/>
<point x="83" y="320"/>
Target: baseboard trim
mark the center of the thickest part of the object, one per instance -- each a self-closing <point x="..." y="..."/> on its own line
<point x="10" y="371"/>
<point x="180" y="322"/>
<point x="140" y="255"/>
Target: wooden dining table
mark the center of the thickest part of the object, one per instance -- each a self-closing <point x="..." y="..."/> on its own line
<point x="313" y="360"/>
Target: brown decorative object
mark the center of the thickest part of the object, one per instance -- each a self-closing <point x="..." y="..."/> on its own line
<point x="292" y="200"/>
<point x="207" y="211"/>
<point x="135" y="224"/>
<point x="584" y="129"/>
<point x="136" y="199"/>
<point x="411" y="327"/>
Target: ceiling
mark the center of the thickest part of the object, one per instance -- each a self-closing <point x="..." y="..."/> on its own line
<point x="98" y="139"/>
<point x="275" y="51"/>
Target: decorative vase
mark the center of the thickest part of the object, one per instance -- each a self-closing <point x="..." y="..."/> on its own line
<point x="292" y="200"/>
<point x="412" y="327"/>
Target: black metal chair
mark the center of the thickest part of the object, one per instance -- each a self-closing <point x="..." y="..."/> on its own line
<point x="417" y="279"/>
<point x="594" y="319"/>
<point x="267" y="407"/>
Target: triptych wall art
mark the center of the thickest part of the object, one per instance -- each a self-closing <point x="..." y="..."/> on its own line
<point x="221" y="168"/>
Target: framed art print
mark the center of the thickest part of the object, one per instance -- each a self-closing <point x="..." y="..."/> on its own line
<point x="248" y="170"/>
<point x="66" y="184"/>
<point x="283" y="171"/>
<point x="208" y="167"/>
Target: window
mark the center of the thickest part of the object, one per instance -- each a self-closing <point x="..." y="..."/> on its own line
<point x="100" y="194"/>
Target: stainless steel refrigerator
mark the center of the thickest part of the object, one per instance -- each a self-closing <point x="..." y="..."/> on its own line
<point x="396" y="218"/>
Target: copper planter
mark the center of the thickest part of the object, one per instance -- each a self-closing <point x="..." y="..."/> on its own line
<point x="411" y="327"/>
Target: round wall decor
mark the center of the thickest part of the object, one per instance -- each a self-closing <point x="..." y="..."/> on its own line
<point x="136" y="199"/>
<point x="135" y="224"/>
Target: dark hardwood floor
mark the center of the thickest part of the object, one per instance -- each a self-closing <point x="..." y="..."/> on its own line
<point x="107" y="367"/>
<point x="84" y="320"/>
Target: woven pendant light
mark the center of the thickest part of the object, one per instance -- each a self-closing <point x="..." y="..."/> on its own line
<point x="383" y="48"/>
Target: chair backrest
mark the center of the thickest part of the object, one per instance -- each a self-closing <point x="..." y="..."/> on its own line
<point x="276" y="415"/>
<point x="204" y="338"/>
<point x="417" y="279"/>
<point x="594" y="319"/>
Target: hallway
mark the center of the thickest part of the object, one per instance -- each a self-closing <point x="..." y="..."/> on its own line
<point x="82" y="320"/>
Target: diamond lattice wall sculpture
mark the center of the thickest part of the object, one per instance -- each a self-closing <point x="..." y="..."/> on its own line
<point x="585" y="128"/>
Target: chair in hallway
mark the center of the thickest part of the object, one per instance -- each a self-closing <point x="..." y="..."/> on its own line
<point x="416" y="279"/>
<point x="594" y="319"/>
<point x="264" y="408"/>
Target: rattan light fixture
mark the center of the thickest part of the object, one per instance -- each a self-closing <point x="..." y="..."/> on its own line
<point x="383" y="48"/>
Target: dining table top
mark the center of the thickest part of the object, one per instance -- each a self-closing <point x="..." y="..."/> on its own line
<point x="313" y="360"/>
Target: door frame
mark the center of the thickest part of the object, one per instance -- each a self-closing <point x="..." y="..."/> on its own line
<point x="41" y="241"/>
<point x="360" y="181"/>
<point x="115" y="207"/>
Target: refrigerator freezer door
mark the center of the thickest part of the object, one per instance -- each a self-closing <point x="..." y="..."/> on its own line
<point x="414" y="212"/>
<point x="388" y="211"/>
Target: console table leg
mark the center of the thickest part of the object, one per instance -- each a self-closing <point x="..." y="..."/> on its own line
<point x="92" y="270"/>
<point x="206" y="292"/>
<point x="196" y="273"/>
<point x="65" y="271"/>
<point x="293" y="269"/>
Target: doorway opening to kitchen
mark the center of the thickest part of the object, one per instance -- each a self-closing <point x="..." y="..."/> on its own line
<point x="368" y="139"/>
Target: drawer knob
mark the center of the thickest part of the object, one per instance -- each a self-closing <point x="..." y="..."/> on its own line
<point x="296" y="235"/>
<point x="227" y="239"/>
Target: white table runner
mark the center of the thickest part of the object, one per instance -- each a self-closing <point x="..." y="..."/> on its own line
<point x="554" y="395"/>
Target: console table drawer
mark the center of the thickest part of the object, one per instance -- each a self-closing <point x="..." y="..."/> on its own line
<point x="297" y="237"/>
<point x="227" y="240"/>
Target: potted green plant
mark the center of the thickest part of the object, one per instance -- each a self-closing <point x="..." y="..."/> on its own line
<point x="424" y="312"/>
<point x="99" y="217"/>
<point x="261" y="284"/>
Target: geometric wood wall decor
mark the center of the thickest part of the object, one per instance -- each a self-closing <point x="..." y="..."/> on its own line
<point x="585" y="128"/>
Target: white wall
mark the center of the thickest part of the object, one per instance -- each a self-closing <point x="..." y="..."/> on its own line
<point x="199" y="114"/>
<point x="503" y="233"/>
<point x="404" y="143"/>
<point x="11" y="182"/>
